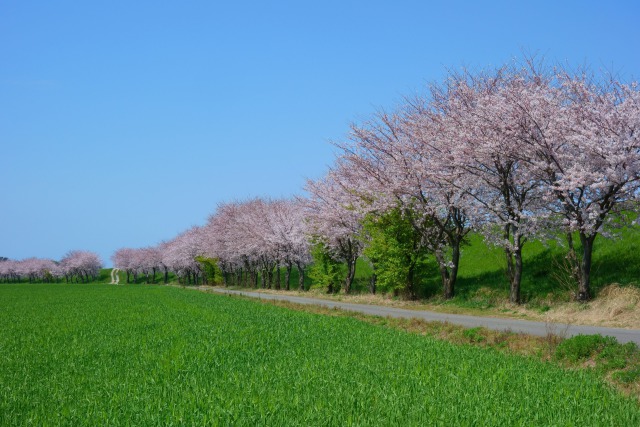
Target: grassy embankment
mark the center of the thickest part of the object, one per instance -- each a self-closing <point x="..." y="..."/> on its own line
<point x="155" y="355"/>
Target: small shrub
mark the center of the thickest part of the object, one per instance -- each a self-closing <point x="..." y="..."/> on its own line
<point x="473" y="335"/>
<point x="544" y="308"/>
<point x="583" y="347"/>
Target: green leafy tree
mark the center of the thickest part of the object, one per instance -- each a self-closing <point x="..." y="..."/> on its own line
<point x="325" y="270"/>
<point x="397" y="251"/>
<point x="211" y="272"/>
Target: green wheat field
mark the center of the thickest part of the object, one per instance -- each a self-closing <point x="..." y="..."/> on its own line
<point x="158" y="355"/>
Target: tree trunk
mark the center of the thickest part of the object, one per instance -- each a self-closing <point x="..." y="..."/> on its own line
<point x="287" y="276"/>
<point x="516" y="278"/>
<point x="351" y="274"/>
<point x="278" y="277"/>
<point x="584" y="289"/>
<point x="411" y="292"/>
<point x="372" y="283"/>
<point x="513" y="258"/>
<point x="300" y="277"/>
<point x="449" y="275"/>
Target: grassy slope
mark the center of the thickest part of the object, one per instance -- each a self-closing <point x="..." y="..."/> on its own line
<point x="151" y="355"/>
<point x="482" y="279"/>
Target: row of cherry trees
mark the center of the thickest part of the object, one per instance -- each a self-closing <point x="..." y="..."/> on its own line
<point x="247" y="241"/>
<point x="78" y="266"/>
<point x="517" y="154"/>
<point x="178" y="255"/>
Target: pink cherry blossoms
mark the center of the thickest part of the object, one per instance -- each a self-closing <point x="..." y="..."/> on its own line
<point x="76" y="266"/>
<point x="517" y="153"/>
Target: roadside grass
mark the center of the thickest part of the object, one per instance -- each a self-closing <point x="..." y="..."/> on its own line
<point x="157" y="355"/>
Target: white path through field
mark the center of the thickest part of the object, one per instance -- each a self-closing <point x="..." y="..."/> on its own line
<point x="115" y="277"/>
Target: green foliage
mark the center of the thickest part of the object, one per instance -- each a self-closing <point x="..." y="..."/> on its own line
<point x="473" y="334"/>
<point x="158" y="355"/>
<point x="210" y="269"/>
<point x="325" y="272"/>
<point x="396" y="251"/>
<point x="583" y="347"/>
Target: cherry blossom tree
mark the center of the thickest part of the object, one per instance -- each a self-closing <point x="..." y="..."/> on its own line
<point x="230" y="238"/>
<point x="258" y="235"/>
<point x="123" y="259"/>
<point x="31" y="269"/>
<point x="398" y="159"/>
<point x="286" y="234"/>
<point x="180" y="255"/>
<point x="334" y="222"/>
<point x="81" y="265"/>
<point x="478" y="112"/>
<point x="585" y="136"/>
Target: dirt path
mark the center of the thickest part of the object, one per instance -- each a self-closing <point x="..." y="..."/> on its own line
<point x="521" y="326"/>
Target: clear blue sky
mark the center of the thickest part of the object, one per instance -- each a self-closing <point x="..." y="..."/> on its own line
<point x="123" y="123"/>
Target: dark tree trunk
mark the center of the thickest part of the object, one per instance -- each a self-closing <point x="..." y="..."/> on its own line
<point x="516" y="277"/>
<point x="300" y="276"/>
<point x="449" y="276"/>
<point x="514" y="265"/>
<point x="411" y="291"/>
<point x="584" y="289"/>
<point x="351" y="273"/>
<point x="287" y="276"/>
<point x="278" y="277"/>
<point x="372" y="283"/>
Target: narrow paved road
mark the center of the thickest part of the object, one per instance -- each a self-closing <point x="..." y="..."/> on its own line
<point x="498" y="324"/>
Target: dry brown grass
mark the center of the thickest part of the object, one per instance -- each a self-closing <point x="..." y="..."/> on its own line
<point x="615" y="306"/>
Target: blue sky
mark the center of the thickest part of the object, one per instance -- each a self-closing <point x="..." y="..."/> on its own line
<point x="123" y="123"/>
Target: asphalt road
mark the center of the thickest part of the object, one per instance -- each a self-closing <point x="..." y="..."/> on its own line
<point x="498" y="324"/>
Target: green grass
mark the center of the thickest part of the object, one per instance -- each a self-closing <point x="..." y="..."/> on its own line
<point x="156" y="355"/>
<point x="482" y="280"/>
